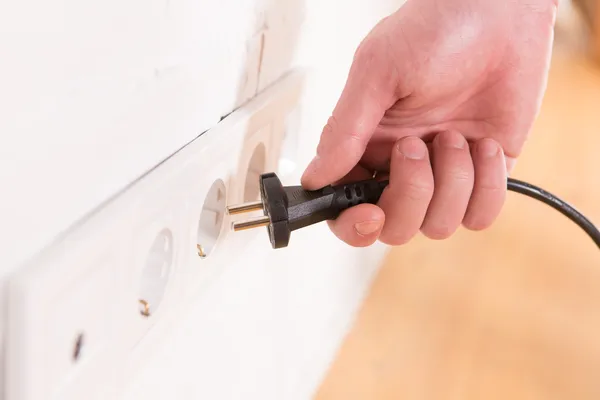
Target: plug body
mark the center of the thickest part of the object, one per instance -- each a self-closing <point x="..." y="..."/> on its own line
<point x="288" y="208"/>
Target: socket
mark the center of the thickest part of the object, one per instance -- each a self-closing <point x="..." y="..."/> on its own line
<point x="210" y="223"/>
<point x="86" y="313"/>
<point x="156" y="272"/>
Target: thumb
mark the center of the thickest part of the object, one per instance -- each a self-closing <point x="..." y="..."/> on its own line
<point x="368" y="93"/>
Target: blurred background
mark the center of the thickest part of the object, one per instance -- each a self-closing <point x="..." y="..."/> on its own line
<point x="513" y="312"/>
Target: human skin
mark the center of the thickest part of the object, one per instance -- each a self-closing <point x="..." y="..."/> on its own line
<point x="441" y="95"/>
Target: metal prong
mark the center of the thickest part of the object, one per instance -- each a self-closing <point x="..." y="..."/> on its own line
<point x="245" y="208"/>
<point x="251" y="224"/>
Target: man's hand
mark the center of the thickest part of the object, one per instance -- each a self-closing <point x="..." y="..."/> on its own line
<point x="441" y="95"/>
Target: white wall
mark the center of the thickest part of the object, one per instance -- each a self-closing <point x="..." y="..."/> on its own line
<point x="94" y="94"/>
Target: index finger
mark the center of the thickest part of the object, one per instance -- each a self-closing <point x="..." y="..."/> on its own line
<point x="368" y="93"/>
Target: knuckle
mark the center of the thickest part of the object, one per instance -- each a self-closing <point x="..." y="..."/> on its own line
<point x="450" y="138"/>
<point x="395" y="238"/>
<point x="331" y="125"/>
<point x="369" y="51"/>
<point x="474" y="223"/>
<point x="462" y="174"/>
<point x="491" y="189"/>
<point x="437" y="232"/>
<point x="457" y="173"/>
<point x="488" y="142"/>
<point x="328" y="139"/>
<point x="364" y="51"/>
<point x="481" y="214"/>
<point x="335" y="133"/>
<point x="418" y="189"/>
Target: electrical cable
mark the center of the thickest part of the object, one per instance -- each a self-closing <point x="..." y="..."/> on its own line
<point x="559" y="205"/>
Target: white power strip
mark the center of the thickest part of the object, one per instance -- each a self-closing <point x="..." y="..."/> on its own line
<point x="76" y="326"/>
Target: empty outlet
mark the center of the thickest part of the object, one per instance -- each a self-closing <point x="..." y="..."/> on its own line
<point x="256" y="167"/>
<point x="211" y="218"/>
<point x="155" y="274"/>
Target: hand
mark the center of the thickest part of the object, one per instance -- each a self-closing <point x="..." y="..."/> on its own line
<point x="441" y="95"/>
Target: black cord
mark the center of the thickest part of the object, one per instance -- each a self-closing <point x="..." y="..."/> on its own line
<point x="564" y="208"/>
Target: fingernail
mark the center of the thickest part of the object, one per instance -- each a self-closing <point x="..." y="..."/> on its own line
<point x="452" y="140"/>
<point x="413" y="148"/>
<point x="488" y="148"/>
<point x="367" y="228"/>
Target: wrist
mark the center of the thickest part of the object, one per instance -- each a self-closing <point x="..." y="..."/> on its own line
<point x="539" y="5"/>
<point x="535" y="10"/>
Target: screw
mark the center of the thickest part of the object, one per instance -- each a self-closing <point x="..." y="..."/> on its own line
<point x="145" y="311"/>
<point x="201" y="251"/>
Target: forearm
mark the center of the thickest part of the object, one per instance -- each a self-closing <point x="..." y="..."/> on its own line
<point x="538" y="6"/>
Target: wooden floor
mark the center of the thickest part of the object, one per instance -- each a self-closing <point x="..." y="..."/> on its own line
<point x="510" y="313"/>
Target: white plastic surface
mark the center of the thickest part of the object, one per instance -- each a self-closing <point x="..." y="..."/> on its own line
<point x="143" y="243"/>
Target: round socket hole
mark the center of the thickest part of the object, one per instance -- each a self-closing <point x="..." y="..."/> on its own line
<point x="155" y="274"/>
<point x="211" y="219"/>
<point x="256" y="167"/>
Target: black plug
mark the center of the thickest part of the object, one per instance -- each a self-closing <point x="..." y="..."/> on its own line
<point x="288" y="208"/>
